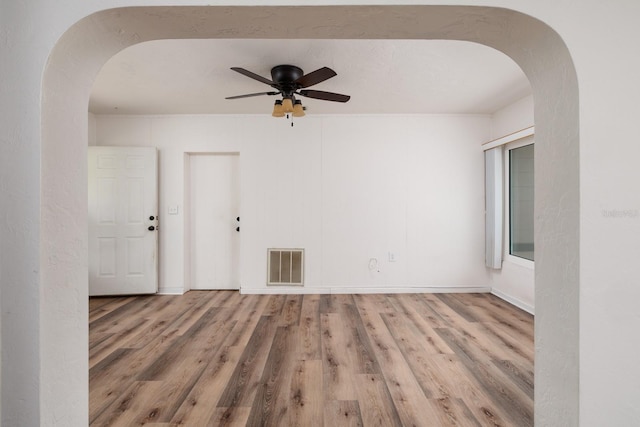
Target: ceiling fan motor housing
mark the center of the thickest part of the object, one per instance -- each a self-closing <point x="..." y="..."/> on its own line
<point x="286" y="74"/>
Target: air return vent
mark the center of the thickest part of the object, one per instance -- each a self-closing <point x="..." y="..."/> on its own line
<point x="286" y="267"/>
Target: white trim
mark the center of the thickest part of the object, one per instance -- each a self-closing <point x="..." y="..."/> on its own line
<point x="171" y="291"/>
<point x="522" y="262"/>
<point x="272" y="290"/>
<point x="514" y="301"/>
<point x="509" y="138"/>
<point x="521" y="142"/>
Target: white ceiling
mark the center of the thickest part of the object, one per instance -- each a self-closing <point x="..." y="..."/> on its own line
<point x="382" y="76"/>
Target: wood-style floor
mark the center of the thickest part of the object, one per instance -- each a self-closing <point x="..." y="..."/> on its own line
<point x="221" y="358"/>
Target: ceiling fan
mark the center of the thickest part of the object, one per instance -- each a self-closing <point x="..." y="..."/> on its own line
<point x="289" y="81"/>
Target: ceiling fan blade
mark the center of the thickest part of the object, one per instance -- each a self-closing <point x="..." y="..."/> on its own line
<point x="315" y="77"/>
<point x="326" y="96"/>
<point x="249" y="95"/>
<point x="253" y="75"/>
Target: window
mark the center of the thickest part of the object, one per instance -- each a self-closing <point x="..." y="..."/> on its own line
<point x="521" y="187"/>
<point x="509" y="200"/>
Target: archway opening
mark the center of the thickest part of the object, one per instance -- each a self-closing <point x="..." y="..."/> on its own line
<point x="86" y="46"/>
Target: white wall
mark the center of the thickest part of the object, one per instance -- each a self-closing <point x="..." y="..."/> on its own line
<point x="512" y="118"/>
<point x="515" y="281"/>
<point x="346" y="189"/>
<point x="92" y="129"/>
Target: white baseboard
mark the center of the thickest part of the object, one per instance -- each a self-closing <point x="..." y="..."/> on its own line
<point x="514" y="301"/>
<point x="363" y="290"/>
<point x="171" y="291"/>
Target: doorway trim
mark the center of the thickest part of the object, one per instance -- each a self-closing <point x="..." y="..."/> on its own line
<point x="188" y="227"/>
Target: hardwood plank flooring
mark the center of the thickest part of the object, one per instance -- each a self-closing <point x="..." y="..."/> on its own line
<point x="218" y="358"/>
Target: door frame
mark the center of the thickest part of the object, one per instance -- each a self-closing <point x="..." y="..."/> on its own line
<point x="153" y="210"/>
<point x="188" y="232"/>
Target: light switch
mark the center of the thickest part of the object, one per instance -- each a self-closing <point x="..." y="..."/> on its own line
<point x="173" y="210"/>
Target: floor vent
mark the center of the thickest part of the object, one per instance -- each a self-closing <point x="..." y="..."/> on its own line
<point x="286" y="267"/>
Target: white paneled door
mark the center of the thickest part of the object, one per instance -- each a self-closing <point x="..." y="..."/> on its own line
<point x="214" y="220"/>
<point x="123" y="210"/>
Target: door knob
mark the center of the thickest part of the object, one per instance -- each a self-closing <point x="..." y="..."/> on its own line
<point x="151" y="228"/>
<point x="238" y="219"/>
<point x="238" y="229"/>
<point x="151" y="218"/>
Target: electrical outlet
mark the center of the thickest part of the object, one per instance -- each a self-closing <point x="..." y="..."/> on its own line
<point x="393" y="257"/>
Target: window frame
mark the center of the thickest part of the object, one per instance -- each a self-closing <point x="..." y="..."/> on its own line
<point x="507" y="256"/>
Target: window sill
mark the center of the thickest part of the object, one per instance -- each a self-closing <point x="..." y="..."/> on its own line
<point x="520" y="261"/>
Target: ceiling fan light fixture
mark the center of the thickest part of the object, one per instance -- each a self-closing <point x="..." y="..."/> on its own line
<point x="287" y="105"/>
<point x="278" y="111"/>
<point x="298" y="111"/>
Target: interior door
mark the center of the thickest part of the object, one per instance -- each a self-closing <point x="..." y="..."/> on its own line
<point x="214" y="219"/>
<point x="123" y="211"/>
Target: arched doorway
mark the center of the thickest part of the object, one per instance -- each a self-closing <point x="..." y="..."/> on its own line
<point x="86" y="46"/>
